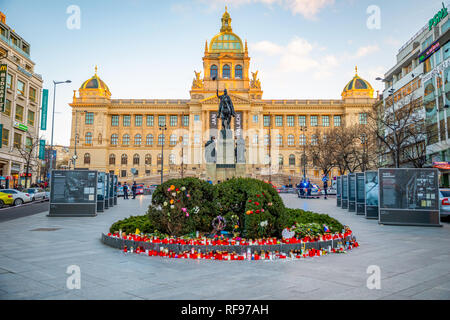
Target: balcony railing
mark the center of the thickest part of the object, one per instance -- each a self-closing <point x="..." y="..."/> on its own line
<point x="18" y="49"/>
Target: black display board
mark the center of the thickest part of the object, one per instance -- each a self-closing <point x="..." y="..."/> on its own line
<point x="73" y="193"/>
<point x="360" y="194"/>
<point x="351" y="192"/>
<point x="116" y="181"/>
<point x="339" y="191"/>
<point x="111" y="190"/>
<point x="372" y="194"/>
<point x="101" y="191"/>
<point x="107" y="182"/>
<point x="409" y="197"/>
<point x="344" y="192"/>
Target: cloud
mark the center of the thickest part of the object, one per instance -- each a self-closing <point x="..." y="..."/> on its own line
<point x="365" y="51"/>
<point x="307" y="8"/>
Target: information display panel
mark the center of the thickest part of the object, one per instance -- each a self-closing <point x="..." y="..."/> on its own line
<point x="107" y="181"/>
<point x="116" y="181"/>
<point x="344" y="192"/>
<point x="339" y="191"/>
<point x="351" y="192"/>
<point x="73" y="193"/>
<point x="360" y="194"/>
<point x="409" y="197"/>
<point x="101" y="191"/>
<point x="111" y="190"/>
<point x="372" y="193"/>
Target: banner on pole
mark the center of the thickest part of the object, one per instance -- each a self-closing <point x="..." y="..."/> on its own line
<point x="44" y="109"/>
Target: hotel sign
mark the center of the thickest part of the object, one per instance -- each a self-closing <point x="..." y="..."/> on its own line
<point x="3" y="73"/>
<point x="438" y="17"/>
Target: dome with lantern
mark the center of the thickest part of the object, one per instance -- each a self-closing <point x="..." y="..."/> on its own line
<point x="226" y="40"/>
<point x="357" y="88"/>
<point x="95" y="86"/>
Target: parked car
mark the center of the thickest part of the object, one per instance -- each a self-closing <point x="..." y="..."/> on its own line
<point x="140" y="189"/>
<point x="47" y="194"/>
<point x="19" y="197"/>
<point x="36" y="193"/>
<point x="6" y="199"/>
<point x="316" y="192"/>
<point x="444" y="202"/>
<point x="120" y="191"/>
<point x="331" y="191"/>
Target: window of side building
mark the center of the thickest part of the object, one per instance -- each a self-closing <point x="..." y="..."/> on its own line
<point x="19" y="113"/>
<point x="20" y="88"/>
<point x="150" y="121"/>
<point x="8" y="81"/>
<point x="173" y="121"/>
<point x="138" y="120"/>
<point x="89" y="118"/>
<point x="114" y="121"/>
<point x="337" y="121"/>
<point x="302" y="121"/>
<point x="278" y="121"/>
<point x="5" y="137"/>
<point x="7" y="111"/>
<point x="17" y="140"/>
<point x="30" y="118"/>
<point x="126" y="121"/>
<point x="33" y="94"/>
<point x="290" y="121"/>
<point x="314" y="121"/>
<point x="325" y="121"/>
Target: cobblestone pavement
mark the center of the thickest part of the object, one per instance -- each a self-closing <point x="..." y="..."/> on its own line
<point x="414" y="263"/>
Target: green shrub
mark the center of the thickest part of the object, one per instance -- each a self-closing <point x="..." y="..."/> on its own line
<point x="130" y="224"/>
<point x="292" y="216"/>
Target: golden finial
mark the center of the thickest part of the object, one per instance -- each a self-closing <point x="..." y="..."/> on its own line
<point x="95" y="69"/>
<point x="226" y="9"/>
<point x="246" y="48"/>
<point x="356" y="70"/>
<point x="206" y="46"/>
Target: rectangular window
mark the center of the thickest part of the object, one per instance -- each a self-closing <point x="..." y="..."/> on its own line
<point x="302" y="121"/>
<point x="115" y="121"/>
<point x="126" y="121"/>
<point x="185" y="121"/>
<point x="314" y="121"/>
<point x="150" y="121"/>
<point x="255" y="118"/>
<point x="290" y="121"/>
<point x="123" y="173"/>
<point x="17" y="140"/>
<point x="325" y="121"/>
<point x="363" y="118"/>
<point x="196" y="117"/>
<point x="89" y="118"/>
<point x="33" y="94"/>
<point x="279" y="121"/>
<point x="19" y="113"/>
<point x="20" y="88"/>
<point x="337" y="121"/>
<point x="266" y="121"/>
<point x="31" y="118"/>
<point x="28" y="143"/>
<point x="9" y="81"/>
<point x="5" y="137"/>
<point x="161" y="120"/>
<point x="173" y="121"/>
<point x="138" y="120"/>
<point x="7" y="111"/>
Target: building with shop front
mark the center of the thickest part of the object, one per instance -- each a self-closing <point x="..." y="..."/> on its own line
<point x="422" y="72"/>
<point x="20" y="118"/>
<point x="116" y="135"/>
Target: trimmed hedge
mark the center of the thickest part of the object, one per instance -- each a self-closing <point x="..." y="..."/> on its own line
<point x="130" y="224"/>
<point x="292" y="216"/>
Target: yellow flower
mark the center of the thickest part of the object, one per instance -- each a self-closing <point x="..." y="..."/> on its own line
<point x="236" y="227"/>
<point x="171" y="201"/>
<point x="172" y="187"/>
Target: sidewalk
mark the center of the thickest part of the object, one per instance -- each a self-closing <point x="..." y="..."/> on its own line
<point x="414" y="263"/>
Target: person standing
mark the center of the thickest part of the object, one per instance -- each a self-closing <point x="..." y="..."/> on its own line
<point x="325" y="187"/>
<point x="125" y="191"/>
<point x="133" y="189"/>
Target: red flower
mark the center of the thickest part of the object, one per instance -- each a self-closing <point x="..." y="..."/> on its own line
<point x="257" y="203"/>
<point x="249" y="201"/>
<point x="258" y="211"/>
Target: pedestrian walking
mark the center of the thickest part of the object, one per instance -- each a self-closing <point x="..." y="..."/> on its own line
<point x="125" y="191"/>
<point x="133" y="189"/>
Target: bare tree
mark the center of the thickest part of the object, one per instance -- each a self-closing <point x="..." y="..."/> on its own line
<point x="28" y="153"/>
<point x="322" y="150"/>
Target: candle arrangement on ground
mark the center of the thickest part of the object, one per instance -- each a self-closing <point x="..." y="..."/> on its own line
<point x="240" y="219"/>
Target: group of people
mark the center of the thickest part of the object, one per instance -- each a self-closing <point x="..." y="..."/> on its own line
<point x="305" y="187"/>
<point x="126" y="188"/>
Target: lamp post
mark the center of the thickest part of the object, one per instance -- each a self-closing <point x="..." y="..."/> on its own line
<point x="53" y="121"/>
<point x="162" y="128"/>
<point x="304" y="129"/>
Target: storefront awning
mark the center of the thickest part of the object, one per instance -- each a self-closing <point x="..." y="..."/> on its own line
<point x="441" y="165"/>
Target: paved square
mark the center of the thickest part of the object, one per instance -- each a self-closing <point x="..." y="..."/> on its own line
<point x="414" y="262"/>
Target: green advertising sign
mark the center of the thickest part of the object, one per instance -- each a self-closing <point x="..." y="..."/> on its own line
<point x="438" y="17"/>
<point x="44" y="109"/>
<point x="41" y="149"/>
<point x="3" y="73"/>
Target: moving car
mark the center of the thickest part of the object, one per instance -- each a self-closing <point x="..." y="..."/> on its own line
<point x="36" y="193"/>
<point x="6" y="199"/>
<point x="19" y="197"/>
<point x="444" y="202"/>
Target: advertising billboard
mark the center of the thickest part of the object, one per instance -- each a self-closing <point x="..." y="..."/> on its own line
<point x="372" y="192"/>
<point x="360" y="194"/>
<point x="351" y="192"/>
<point x="409" y="197"/>
<point x="344" y="192"/>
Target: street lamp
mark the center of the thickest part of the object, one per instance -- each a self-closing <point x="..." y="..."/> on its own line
<point x="304" y="129"/>
<point x="53" y="120"/>
<point x="162" y="128"/>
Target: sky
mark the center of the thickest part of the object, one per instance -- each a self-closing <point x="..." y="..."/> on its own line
<point x="146" y="49"/>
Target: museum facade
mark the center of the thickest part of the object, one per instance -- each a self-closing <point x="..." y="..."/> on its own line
<point x="131" y="137"/>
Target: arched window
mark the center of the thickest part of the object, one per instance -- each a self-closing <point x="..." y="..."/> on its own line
<point x="226" y="72"/>
<point x="114" y="139"/>
<point x="136" y="159"/>
<point x="149" y="140"/>
<point x="238" y="72"/>
<point x="213" y="71"/>
<point x="148" y="159"/>
<point x="302" y="140"/>
<point x="292" y="160"/>
<point x="161" y="139"/>
<point x="173" y="139"/>
<point x="112" y="159"/>
<point x="124" y="159"/>
<point x="280" y="160"/>
<point x="279" y="140"/>
<point x="87" y="158"/>
<point x="159" y="159"/>
<point x="88" y="138"/>
<point x="137" y="140"/>
<point x="126" y="140"/>
<point x="291" y="140"/>
<point x="171" y="158"/>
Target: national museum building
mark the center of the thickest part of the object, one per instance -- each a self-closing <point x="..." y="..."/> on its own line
<point x="117" y="135"/>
